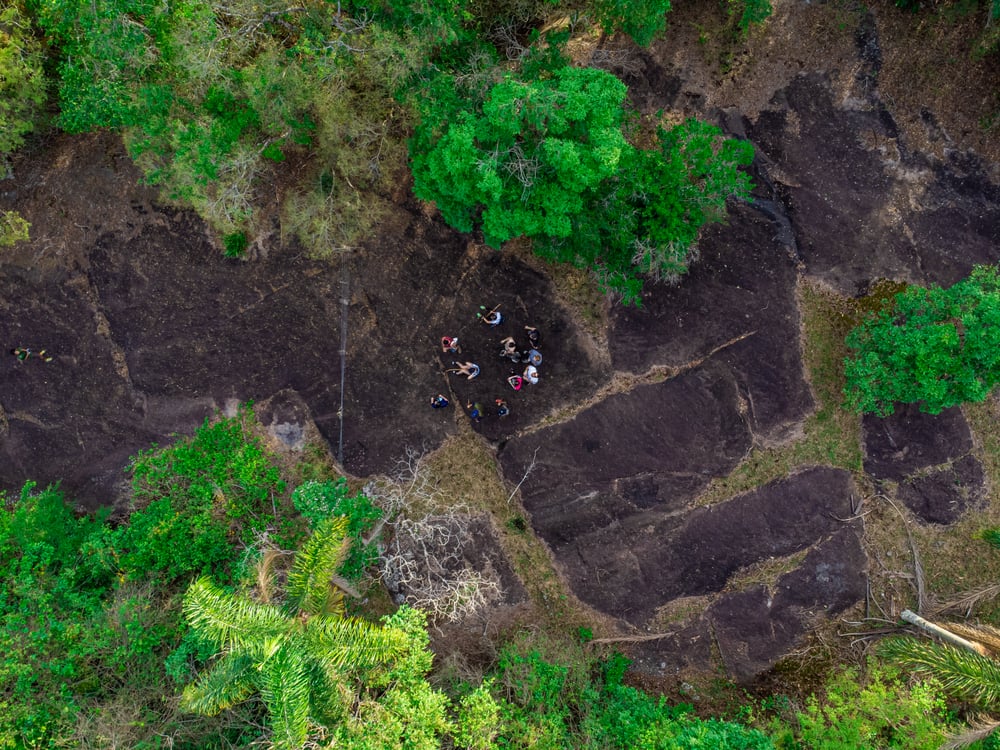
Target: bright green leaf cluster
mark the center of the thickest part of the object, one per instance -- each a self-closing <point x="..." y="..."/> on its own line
<point x="317" y="501"/>
<point x="213" y="490"/>
<point x="936" y="347"/>
<point x="883" y="712"/>
<point x="13" y="228"/>
<point x="546" y="157"/>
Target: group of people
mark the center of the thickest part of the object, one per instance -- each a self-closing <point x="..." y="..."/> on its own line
<point x="529" y="355"/>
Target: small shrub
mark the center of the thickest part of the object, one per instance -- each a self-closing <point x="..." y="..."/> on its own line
<point x="215" y="490"/>
<point x="882" y="713"/>
<point x="936" y="347"/>
<point x="13" y="228"/>
<point x="235" y="244"/>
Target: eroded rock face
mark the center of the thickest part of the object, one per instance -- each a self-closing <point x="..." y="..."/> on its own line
<point x="929" y="456"/>
<point x="862" y="205"/>
<point x="738" y="306"/>
<point x="755" y="627"/>
<point x="652" y="448"/>
<point x="942" y="495"/>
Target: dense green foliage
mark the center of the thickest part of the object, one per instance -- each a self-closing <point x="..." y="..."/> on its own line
<point x="22" y="80"/>
<point x="545" y="156"/>
<point x="581" y="702"/>
<point x="749" y="12"/>
<point x="212" y="97"/>
<point x="318" y="501"/>
<point x="214" y="491"/>
<point x="640" y="19"/>
<point x="95" y="641"/>
<point x="90" y="610"/>
<point x="293" y="653"/>
<point x="881" y="712"/>
<point x="936" y="347"/>
<point x="50" y="607"/>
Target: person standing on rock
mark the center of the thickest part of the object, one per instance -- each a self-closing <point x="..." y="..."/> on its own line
<point x="475" y="411"/>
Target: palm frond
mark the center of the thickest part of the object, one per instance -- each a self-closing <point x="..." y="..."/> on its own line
<point x="338" y="641"/>
<point x="285" y="691"/>
<point x="962" y="673"/>
<point x="983" y="634"/>
<point x="265" y="574"/>
<point x="309" y="587"/>
<point x="234" y="623"/>
<point x="969" y="599"/>
<point x="229" y="681"/>
<point x="333" y="694"/>
<point x="980" y="730"/>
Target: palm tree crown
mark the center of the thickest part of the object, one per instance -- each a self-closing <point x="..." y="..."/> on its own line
<point x="295" y="654"/>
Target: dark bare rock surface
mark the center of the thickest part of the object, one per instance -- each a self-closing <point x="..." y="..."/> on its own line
<point x="755" y="627"/>
<point x="74" y="418"/>
<point x="738" y="304"/>
<point x="909" y="440"/>
<point x="863" y="206"/>
<point x="427" y="281"/>
<point x="152" y="330"/>
<point x="650" y="449"/>
<point x="929" y="455"/>
<point x="942" y="495"/>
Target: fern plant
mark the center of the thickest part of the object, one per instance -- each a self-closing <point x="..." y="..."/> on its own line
<point x="296" y="653"/>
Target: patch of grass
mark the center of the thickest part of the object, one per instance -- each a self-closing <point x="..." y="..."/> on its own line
<point x="765" y="572"/>
<point x="678" y="611"/>
<point x="576" y="289"/>
<point x="831" y="436"/>
<point x="955" y="559"/>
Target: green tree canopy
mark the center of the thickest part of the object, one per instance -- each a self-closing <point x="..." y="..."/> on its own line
<point x="545" y="156"/>
<point x="294" y="654"/>
<point x="936" y="347"/>
<point x="22" y="80"/>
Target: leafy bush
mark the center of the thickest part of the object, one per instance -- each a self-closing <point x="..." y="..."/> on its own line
<point x="640" y="19"/>
<point x="882" y="713"/>
<point x="50" y="617"/>
<point x="747" y="12"/>
<point x="546" y="157"/>
<point x="936" y="347"/>
<point x="578" y="701"/>
<point x="13" y="228"/>
<point x="214" y="490"/>
<point x="22" y="80"/>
